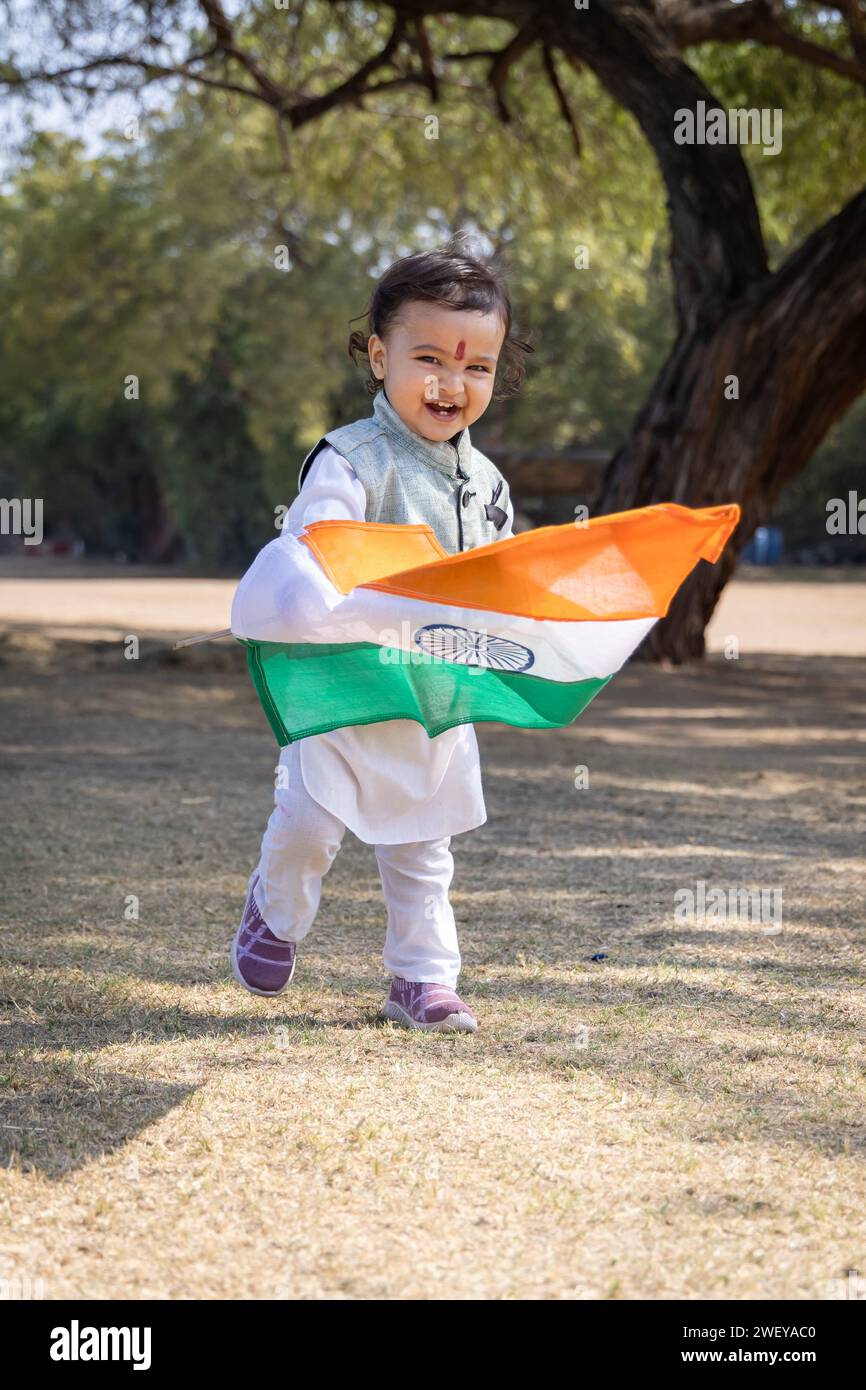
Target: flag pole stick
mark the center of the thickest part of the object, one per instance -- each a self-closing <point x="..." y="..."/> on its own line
<point x="205" y="637"/>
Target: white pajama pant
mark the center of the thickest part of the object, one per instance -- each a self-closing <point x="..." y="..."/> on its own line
<point x="299" y="846"/>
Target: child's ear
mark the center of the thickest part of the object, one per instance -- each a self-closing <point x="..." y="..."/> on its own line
<point x="376" y="354"/>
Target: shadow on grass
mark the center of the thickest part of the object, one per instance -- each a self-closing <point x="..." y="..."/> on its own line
<point x="60" y="1112"/>
<point x="56" y="1117"/>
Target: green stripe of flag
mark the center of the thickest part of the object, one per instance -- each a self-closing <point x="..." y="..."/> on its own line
<point x="310" y="688"/>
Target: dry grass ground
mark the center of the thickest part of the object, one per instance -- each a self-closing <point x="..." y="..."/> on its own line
<point x="684" y="1119"/>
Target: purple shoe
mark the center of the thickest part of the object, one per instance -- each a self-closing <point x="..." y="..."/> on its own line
<point x="433" y="1007"/>
<point x="261" y="962"/>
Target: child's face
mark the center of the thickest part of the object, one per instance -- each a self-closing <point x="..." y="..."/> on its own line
<point x="433" y="354"/>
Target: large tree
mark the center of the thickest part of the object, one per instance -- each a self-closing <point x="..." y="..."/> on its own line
<point x="793" y="337"/>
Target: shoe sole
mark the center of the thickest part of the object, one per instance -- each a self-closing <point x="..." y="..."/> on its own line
<point x="454" y="1023"/>
<point x="268" y="993"/>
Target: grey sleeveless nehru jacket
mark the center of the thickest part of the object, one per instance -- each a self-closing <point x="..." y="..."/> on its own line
<point x="450" y="486"/>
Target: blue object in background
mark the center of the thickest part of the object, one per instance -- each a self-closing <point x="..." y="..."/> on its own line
<point x="765" y="547"/>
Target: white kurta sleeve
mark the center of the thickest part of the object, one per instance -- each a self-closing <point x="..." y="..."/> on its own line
<point x="332" y="491"/>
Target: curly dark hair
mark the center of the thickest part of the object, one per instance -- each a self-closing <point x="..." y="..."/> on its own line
<point x="449" y="276"/>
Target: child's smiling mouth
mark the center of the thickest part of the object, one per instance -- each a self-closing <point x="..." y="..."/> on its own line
<point x="441" y="410"/>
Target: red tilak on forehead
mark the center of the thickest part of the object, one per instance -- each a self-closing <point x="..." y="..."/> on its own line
<point x="461" y="348"/>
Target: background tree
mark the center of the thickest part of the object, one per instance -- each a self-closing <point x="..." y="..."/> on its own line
<point x="792" y="331"/>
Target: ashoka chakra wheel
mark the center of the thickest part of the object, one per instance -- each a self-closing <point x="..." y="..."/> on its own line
<point x="469" y="648"/>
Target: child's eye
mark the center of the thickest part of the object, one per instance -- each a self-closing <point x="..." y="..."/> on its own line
<point x="478" y="366"/>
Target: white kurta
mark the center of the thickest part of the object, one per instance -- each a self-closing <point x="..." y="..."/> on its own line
<point x="388" y="782"/>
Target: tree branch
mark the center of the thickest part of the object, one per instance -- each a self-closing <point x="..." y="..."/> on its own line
<point x="150" y="73"/>
<point x="562" y="99"/>
<point x="425" y="54"/>
<point x="504" y="61"/>
<point x="356" y="86"/>
<point x="761" y="22"/>
<point x="856" y="22"/>
<point x="225" y="41"/>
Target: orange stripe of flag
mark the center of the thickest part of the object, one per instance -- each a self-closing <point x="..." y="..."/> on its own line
<point x="625" y="565"/>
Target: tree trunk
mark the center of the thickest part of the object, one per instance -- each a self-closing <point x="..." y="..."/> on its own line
<point x="796" y="344"/>
<point x="795" y="341"/>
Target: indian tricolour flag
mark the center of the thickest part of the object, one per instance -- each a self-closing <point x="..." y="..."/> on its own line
<point x="355" y="622"/>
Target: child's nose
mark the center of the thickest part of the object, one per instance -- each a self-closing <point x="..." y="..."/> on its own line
<point x="452" y="382"/>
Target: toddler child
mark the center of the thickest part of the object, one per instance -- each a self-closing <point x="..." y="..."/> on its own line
<point x="439" y="340"/>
